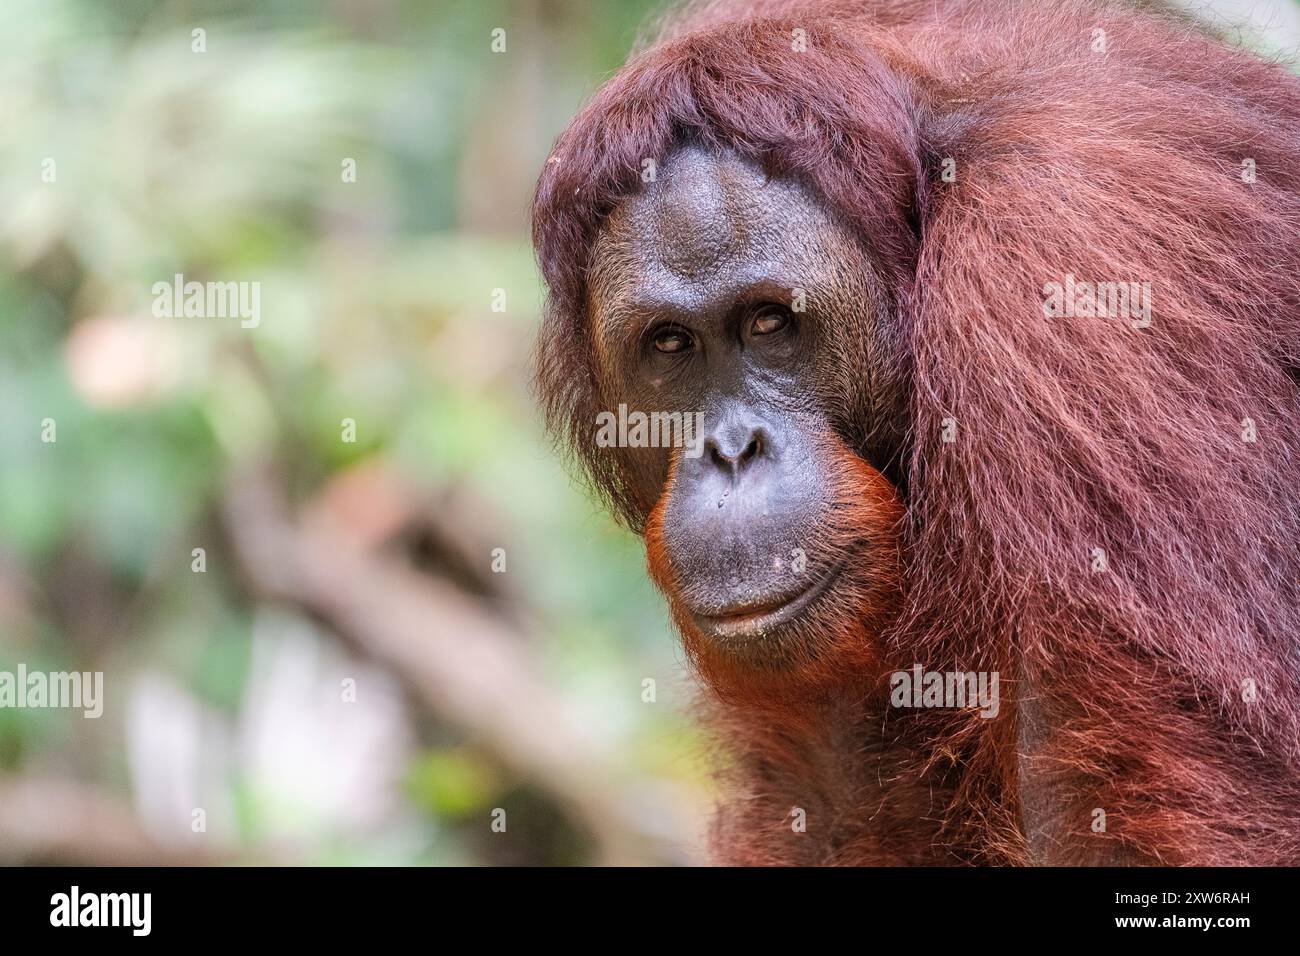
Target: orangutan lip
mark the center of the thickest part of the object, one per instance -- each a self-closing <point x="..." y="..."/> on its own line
<point x="747" y="623"/>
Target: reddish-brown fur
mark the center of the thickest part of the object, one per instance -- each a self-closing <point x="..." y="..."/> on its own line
<point x="1123" y="689"/>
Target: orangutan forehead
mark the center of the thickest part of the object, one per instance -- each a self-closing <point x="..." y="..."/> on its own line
<point x="694" y="213"/>
<point x="705" y="221"/>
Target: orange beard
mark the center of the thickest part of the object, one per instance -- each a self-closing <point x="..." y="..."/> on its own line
<point x="836" y="642"/>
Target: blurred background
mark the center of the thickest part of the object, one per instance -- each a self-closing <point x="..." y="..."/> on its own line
<point x="349" y="605"/>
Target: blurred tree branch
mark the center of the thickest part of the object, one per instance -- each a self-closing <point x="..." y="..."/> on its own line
<point x="465" y="663"/>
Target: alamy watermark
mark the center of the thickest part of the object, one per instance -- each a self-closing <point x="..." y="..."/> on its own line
<point x="1078" y="298"/>
<point x="637" y="429"/>
<point x="208" y="300"/>
<point x="133" y="911"/>
<point x="57" y="689"/>
<point x="951" y="689"/>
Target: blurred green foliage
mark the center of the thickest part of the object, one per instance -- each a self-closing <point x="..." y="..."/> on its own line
<point x="225" y="165"/>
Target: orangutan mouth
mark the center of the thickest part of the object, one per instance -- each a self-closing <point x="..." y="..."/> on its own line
<point x="754" y="620"/>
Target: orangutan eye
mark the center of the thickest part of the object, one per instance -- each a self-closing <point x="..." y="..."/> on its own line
<point x="769" y="319"/>
<point x="673" y="340"/>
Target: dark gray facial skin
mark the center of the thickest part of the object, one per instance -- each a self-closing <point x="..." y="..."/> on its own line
<point x="692" y="285"/>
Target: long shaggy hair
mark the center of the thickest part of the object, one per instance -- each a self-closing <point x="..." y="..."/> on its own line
<point x="1107" y="515"/>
